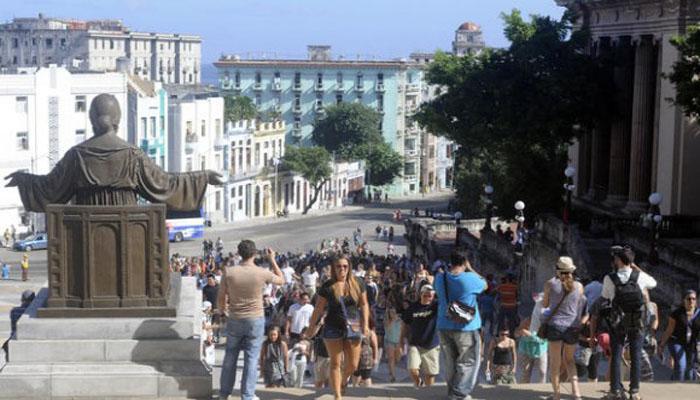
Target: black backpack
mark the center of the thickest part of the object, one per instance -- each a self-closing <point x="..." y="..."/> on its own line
<point x="628" y="296"/>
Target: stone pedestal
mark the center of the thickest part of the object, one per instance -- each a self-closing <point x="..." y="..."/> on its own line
<point x="107" y="262"/>
<point x="110" y="357"/>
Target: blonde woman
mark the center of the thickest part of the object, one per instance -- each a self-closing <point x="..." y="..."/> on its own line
<point x="344" y="298"/>
<point x="565" y="313"/>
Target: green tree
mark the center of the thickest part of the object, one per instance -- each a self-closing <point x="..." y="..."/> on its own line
<point x="313" y="163"/>
<point x="346" y="126"/>
<point x="237" y="108"/>
<point x="515" y="111"/>
<point x="686" y="71"/>
<point x="351" y="132"/>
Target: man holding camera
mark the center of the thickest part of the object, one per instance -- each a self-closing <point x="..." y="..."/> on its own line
<point x="241" y="294"/>
<point x="624" y="288"/>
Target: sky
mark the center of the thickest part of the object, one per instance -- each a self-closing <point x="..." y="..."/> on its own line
<point x="380" y="29"/>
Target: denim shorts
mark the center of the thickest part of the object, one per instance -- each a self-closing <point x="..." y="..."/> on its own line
<point x="565" y="334"/>
<point x="330" y="332"/>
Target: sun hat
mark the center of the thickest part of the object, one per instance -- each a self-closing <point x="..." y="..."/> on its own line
<point x="565" y="264"/>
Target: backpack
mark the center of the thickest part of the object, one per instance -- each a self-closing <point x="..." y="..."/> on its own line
<point x="628" y="296"/>
<point x="628" y="302"/>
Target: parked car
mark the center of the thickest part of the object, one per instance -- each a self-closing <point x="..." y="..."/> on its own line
<point x="33" y="242"/>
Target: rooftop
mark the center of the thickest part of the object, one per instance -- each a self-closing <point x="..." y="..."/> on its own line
<point x="469" y="26"/>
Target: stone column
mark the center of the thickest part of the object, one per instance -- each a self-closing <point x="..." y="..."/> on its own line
<point x="621" y="125"/>
<point x="600" y="142"/>
<point x="642" y="125"/>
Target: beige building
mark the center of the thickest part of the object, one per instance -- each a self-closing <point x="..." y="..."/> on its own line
<point x="650" y="146"/>
<point x="102" y="45"/>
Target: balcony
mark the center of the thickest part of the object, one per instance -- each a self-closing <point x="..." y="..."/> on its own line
<point x="191" y="142"/>
<point x="257" y="86"/>
<point x="318" y="87"/>
<point x="411" y="108"/>
<point x="319" y="109"/>
<point x="359" y="87"/>
<point x="296" y="133"/>
<point x="297" y="87"/>
<point x="277" y="86"/>
<point x="379" y="87"/>
<point x="339" y="87"/>
<point x="296" y="109"/>
<point x="412" y="88"/>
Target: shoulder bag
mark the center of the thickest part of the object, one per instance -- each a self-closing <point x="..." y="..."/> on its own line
<point x="457" y="311"/>
<point x="542" y="332"/>
<point x="353" y="326"/>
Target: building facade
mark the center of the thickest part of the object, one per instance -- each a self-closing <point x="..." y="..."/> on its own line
<point x="195" y="125"/>
<point x="299" y="90"/>
<point x="100" y="46"/>
<point x="45" y="113"/>
<point x="468" y="40"/>
<point x="147" y="116"/>
<point x="650" y="146"/>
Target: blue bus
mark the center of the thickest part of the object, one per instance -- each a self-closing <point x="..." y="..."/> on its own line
<point x="183" y="225"/>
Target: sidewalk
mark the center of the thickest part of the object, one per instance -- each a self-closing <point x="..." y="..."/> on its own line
<point x="274" y="219"/>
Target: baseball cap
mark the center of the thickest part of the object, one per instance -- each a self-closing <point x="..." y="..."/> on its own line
<point x="427" y="288"/>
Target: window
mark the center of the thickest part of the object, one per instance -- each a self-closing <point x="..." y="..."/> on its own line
<point x="297" y="101"/>
<point x="188" y="129"/>
<point x="144" y="126"/>
<point x="21" y="104"/>
<point x="111" y="44"/>
<point x="380" y="78"/>
<point x="410" y="144"/>
<point x="339" y="79"/>
<point x="188" y="164"/>
<point x="14" y="60"/>
<point x="410" y="168"/>
<point x="162" y="161"/>
<point x="63" y="42"/>
<point x="380" y="102"/>
<point x="240" y="190"/>
<point x="33" y="60"/>
<point x="80" y="104"/>
<point x="277" y="77"/>
<point x="258" y="78"/>
<point x="33" y="41"/>
<point x="153" y="126"/>
<point x="359" y="80"/>
<point x="204" y="128"/>
<point x="49" y="43"/>
<point x="15" y="43"/>
<point x="217" y="201"/>
<point x="22" y="141"/>
<point x="258" y="99"/>
<point x="297" y="80"/>
<point x="257" y="153"/>
<point x="237" y="79"/>
<point x="217" y="126"/>
<point x="240" y="204"/>
<point x="319" y="79"/>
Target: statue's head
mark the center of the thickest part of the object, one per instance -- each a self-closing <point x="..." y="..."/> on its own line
<point x="104" y="114"/>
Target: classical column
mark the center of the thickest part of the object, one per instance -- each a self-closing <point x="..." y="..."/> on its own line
<point x="621" y="125"/>
<point x="600" y="141"/>
<point x="642" y="125"/>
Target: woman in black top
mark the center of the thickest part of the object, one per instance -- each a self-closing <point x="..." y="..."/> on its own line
<point x="681" y="335"/>
<point x="345" y="300"/>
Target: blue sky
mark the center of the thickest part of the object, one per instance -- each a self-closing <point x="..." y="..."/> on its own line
<point x="370" y="28"/>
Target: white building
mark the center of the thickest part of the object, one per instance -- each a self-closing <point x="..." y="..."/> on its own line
<point x="44" y="113"/>
<point x="147" y="118"/>
<point x="100" y="46"/>
<point x="195" y="123"/>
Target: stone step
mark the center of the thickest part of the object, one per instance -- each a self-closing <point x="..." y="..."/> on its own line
<point x="105" y="328"/>
<point x="105" y="380"/>
<point x="58" y="351"/>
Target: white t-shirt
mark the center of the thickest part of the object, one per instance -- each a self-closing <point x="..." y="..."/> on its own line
<point x="310" y="278"/>
<point x="645" y="281"/>
<point x="288" y="274"/>
<point x="300" y="316"/>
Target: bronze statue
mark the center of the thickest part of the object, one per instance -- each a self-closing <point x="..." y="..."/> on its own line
<point x="106" y="170"/>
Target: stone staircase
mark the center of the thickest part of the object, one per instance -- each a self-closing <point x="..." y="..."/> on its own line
<point x="109" y="357"/>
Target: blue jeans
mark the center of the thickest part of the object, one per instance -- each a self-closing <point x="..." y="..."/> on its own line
<point x="617" y="341"/>
<point x="246" y="335"/>
<point x="683" y="361"/>
<point x="461" y="352"/>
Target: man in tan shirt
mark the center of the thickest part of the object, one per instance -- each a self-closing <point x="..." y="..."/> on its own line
<point x="241" y="295"/>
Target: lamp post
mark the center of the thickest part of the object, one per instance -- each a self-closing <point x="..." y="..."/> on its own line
<point x="488" y="192"/>
<point x="569" y="186"/>
<point x="520" y="217"/>
<point x="655" y="219"/>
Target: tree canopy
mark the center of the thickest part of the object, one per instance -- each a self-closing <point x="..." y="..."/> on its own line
<point x="351" y="132"/>
<point x="686" y="71"/>
<point x="313" y="163"/>
<point x="514" y="111"/>
<point x="237" y="108"/>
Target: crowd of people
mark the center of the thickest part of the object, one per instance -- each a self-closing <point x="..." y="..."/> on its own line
<point x="329" y="317"/>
